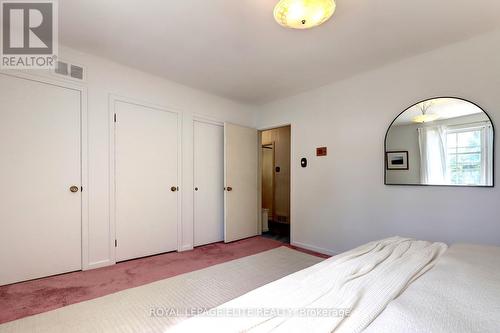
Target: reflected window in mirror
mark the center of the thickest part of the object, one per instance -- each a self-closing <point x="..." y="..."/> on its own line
<point x="449" y="141"/>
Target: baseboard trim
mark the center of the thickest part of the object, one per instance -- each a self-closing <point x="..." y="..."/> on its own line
<point x="185" y="248"/>
<point x="314" y="248"/>
<point x="98" y="264"/>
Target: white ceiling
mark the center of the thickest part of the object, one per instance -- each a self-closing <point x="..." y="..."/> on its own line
<point x="233" y="48"/>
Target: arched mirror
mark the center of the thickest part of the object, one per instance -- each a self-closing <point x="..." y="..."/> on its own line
<point x="440" y="141"/>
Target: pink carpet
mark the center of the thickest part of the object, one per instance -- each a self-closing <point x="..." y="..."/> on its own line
<point x="28" y="298"/>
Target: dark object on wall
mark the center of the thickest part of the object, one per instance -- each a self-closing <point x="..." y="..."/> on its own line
<point x="303" y="162"/>
<point x="321" y="151"/>
<point x="397" y="160"/>
<point x="278" y="169"/>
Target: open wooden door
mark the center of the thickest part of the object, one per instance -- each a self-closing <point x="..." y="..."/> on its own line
<point x="241" y="208"/>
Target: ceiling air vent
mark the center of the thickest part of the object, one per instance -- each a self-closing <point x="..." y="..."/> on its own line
<point x="71" y="71"/>
<point x="62" y="68"/>
<point x="76" y="72"/>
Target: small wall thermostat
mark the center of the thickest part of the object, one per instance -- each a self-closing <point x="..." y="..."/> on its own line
<point x="303" y="162"/>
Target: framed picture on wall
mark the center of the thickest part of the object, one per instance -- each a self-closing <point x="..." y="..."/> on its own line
<point x="397" y="160"/>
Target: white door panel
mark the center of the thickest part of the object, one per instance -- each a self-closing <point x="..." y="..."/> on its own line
<point x="241" y="181"/>
<point x="40" y="219"/>
<point x="146" y="157"/>
<point x="209" y="183"/>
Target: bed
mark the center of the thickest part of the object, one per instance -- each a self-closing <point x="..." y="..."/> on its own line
<point x="392" y="285"/>
<point x="460" y="294"/>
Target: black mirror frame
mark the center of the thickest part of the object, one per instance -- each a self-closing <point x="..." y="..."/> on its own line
<point x="425" y="100"/>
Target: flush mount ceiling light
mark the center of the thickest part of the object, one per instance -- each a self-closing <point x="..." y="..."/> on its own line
<point x="425" y="117"/>
<point x="303" y="14"/>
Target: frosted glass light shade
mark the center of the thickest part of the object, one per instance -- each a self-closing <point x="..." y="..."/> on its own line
<point x="303" y="14"/>
<point x="425" y="118"/>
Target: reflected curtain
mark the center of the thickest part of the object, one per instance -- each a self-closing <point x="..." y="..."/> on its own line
<point x="432" y="144"/>
<point x="487" y="160"/>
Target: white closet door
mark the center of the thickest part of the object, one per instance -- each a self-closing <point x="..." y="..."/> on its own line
<point x="241" y="181"/>
<point x="209" y="183"/>
<point x="146" y="180"/>
<point x="40" y="218"/>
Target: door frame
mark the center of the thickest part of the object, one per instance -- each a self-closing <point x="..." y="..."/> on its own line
<point x="292" y="150"/>
<point x="84" y="151"/>
<point x="273" y="147"/>
<point x="210" y="121"/>
<point x="113" y="98"/>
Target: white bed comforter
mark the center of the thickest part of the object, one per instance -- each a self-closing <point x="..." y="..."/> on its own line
<point x="460" y="295"/>
<point x="363" y="280"/>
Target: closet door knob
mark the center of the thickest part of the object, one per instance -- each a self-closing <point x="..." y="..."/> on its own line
<point x="196" y="189"/>
<point x="229" y="188"/>
<point x="174" y="188"/>
<point x="73" y="189"/>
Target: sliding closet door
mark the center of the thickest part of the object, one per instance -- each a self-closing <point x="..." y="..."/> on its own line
<point x="208" y="183"/>
<point x="146" y="180"/>
<point x="241" y="181"/>
<point x="40" y="177"/>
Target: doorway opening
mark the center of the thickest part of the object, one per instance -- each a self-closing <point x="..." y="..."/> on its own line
<point x="275" y="183"/>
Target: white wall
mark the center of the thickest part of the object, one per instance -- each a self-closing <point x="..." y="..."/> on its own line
<point x="404" y="138"/>
<point x="104" y="78"/>
<point x="340" y="201"/>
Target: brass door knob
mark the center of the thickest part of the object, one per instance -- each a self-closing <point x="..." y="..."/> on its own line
<point x="73" y="189"/>
<point x="174" y="188"/>
<point x="229" y="188"/>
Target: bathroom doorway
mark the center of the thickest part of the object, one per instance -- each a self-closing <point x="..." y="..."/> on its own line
<point x="275" y="186"/>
